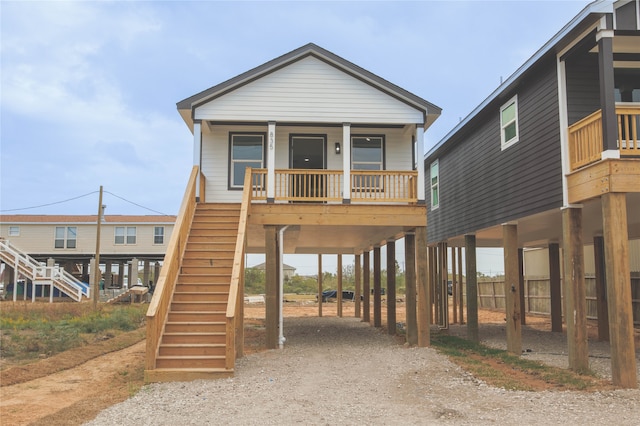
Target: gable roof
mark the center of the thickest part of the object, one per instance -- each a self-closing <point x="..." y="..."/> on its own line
<point x="188" y="105"/>
<point x="597" y="8"/>
<point x="262" y="266"/>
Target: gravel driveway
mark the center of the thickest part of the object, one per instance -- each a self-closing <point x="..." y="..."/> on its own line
<point x="342" y="371"/>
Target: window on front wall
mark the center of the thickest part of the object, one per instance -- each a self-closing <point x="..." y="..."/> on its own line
<point x="125" y="235"/>
<point x="14" y="231"/>
<point x="435" y="185"/>
<point x="367" y="153"/>
<point x="509" y="123"/>
<point x="158" y="235"/>
<point x="246" y="150"/>
<point x="65" y="237"/>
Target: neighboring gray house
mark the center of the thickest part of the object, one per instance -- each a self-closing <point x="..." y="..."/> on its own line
<point x="552" y="159"/>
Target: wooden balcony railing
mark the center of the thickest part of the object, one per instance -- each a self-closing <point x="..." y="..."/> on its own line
<point x="383" y="186"/>
<point x="585" y="136"/>
<point x="367" y="186"/>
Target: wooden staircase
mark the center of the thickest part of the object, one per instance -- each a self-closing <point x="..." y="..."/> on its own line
<point x="193" y="343"/>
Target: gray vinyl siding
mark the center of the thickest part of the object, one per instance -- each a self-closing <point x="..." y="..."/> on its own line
<point x="583" y="93"/>
<point x="482" y="186"/>
<point x="626" y="17"/>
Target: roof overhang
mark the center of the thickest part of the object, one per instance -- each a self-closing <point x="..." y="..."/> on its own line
<point x="590" y="14"/>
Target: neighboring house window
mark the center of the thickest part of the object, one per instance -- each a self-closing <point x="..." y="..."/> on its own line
<point x="66" y="236"/>
<point x="14" y="231"/>
<point x="247" y="150"/>
<point x="509" y="123"/>
<point x="435" y="185"/>
<point x="125" y="234"/>
<point x="158" y="235"/>
<point x="367" y="153"/>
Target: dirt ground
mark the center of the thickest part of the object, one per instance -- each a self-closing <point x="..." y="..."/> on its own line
<point x="93" y="381"/>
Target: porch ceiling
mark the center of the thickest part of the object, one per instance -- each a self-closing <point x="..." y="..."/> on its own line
<point x="540" y="229"/>
<point x="326" y="228"/>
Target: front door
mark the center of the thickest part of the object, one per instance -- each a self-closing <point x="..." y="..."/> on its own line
<point x="307" y="153"/>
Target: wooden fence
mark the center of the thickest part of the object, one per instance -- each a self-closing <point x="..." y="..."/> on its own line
<point x="538" y="301"/>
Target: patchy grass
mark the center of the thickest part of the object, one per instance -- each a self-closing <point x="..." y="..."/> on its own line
<point x="502" y="369"/>
<point x="30" y="331"/>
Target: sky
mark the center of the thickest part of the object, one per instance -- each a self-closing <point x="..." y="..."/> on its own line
<point x="88" y="90"/>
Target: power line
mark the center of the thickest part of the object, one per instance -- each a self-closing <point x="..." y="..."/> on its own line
<point x="81" y="196"/>
<point x="49" y="204"/>
<point x="135" y="204"/>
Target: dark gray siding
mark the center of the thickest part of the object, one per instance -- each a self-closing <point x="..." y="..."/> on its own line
<point x="583" y="86"/>
<point x="626" y="17"/>
<point x="482" y="186"/>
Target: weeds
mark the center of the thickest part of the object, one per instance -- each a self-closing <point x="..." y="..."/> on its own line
<point x="30" y="330"/>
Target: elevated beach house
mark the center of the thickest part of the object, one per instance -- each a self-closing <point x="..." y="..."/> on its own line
<point x="307" y="153"/>
<point x="551" y="159"/>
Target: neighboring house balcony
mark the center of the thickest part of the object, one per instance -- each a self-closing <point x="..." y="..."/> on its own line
<point x="594" y="170"/>
<point x="586" y="141"/>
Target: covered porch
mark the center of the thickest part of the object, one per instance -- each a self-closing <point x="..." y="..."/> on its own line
<point x="300" y="220"/>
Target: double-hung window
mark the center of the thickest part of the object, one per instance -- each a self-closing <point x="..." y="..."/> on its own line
<point x="65" y="237"/>
<point x="158" y="235"/>
<point x="246" y="150"/>
<point x="14" y="231"/>
<point x="435" y="185"/>
<point x="367" y="153"/>
<point x="125" y="235"/>
<point x="509" y="123"/>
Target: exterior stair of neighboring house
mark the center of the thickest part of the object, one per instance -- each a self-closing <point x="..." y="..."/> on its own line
<point x="39" y="274"/>
<point x="194" y="339"/>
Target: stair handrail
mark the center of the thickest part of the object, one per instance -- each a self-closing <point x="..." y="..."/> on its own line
<point x="165" y="285"/>
<point x="35" y="270"/>
<point x="235" y="326"/>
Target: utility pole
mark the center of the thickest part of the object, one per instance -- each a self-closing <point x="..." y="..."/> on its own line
<point x="96" y="272"/>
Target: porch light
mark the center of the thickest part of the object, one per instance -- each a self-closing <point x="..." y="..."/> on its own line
<point x="337" y="147"/>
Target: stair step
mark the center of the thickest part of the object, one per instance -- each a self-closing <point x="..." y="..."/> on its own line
<point x="197" y="316"/>
<point x="184" y="289"/>
<point x="212" y="230"/>
<point x="217" y="207"/>
<point x="204" y="279"/>
<point x="203" y="361"/>
<point x="196" y="349"/>
<point x="185" y="374"/>
<point x="217" y="217"/>
<point x="198" y="305"/>
<point x="204" y="296"/>
<point x="203" y="253"/>
<point x="203" y="270"/>
<point x="186" y="338"/>
<point x="203" y="237"/>
<point x="208" y="246"/>
<point x="210" y="262"/>
<point x="195" y="327"/>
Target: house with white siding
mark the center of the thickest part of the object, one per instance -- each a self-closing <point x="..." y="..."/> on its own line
<point x="307" y="153"/>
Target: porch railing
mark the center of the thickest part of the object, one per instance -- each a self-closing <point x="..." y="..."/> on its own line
<point x="367" y="186"/>
<point x="585" y="136"/>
